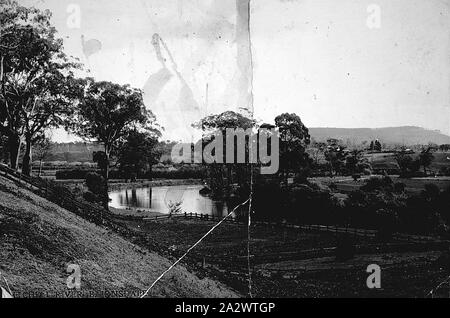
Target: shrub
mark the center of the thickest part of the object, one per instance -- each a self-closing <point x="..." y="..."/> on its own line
<point x="97" y="188"/>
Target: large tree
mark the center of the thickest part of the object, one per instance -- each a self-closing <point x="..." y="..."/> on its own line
<point x="138" y="153"/>
<point x="425" y="158"/>
<point x="336" y="155"/>
<point x="107" y="113"/>
<point x="34" y="93"/>
<point x="294" y="138"/>
<point x="221" y="175"/>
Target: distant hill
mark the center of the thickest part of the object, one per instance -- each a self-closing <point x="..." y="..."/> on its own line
<point x="407" y="135"/>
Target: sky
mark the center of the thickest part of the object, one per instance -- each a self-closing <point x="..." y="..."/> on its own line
<point x="335" y="63"/>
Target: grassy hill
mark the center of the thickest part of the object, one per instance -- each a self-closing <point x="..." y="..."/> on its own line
<point x="407" y="135"/>
<point x="38" y="239"/>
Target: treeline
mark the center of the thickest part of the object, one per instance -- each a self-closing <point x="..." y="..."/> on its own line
<point x="177" y="172"/>
<point x="380" y="204"/>
<point x="39" y="91"/>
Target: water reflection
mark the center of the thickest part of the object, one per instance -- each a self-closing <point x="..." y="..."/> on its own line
<point x="157" y="199"/>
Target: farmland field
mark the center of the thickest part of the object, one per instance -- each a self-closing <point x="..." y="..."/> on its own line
<point x="279" y="264"/>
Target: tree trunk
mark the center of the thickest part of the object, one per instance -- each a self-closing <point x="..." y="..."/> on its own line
<point x="26" y="163"/>
<point x="14" y="144"/>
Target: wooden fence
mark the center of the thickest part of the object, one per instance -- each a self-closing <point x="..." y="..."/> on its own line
<point x="367" y="233"/>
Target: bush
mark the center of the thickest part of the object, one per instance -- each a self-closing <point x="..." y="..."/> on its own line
<point x="97" y="188"/>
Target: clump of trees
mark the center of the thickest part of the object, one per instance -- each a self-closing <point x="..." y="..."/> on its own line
<point x="39" y="91"/>
<point x="410" y="166"/>
<point x="221" y="175"/>
<point x="375" y="145"/>
<point x="112" y="115"/>
<point x="37" y="86"/>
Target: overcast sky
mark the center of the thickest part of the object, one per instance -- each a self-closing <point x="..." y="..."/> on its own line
<point x="336" y="63"/>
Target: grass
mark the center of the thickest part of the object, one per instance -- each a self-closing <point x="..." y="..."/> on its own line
<point x="39" y="240"/>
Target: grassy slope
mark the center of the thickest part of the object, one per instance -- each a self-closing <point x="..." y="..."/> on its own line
<point x="38" y="239"/>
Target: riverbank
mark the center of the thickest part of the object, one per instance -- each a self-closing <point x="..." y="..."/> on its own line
<point x="119" y="184"/>
<point x="134" y="213"/>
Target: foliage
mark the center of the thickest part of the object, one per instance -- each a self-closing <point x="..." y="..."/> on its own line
<point x="37" y="83"/>
<point x="336" y="155"/>
<point x="175" y="208"/>
<point x="138" y="153"/>
<point x="107" y="113"/>
<point x="425" y="158"/>
<point x="294" y="138"/>
<point x="42" y="150"/>
<point x="220" y="176"/>
<point x="375" y="146"/>
<point x="96" y="185"/>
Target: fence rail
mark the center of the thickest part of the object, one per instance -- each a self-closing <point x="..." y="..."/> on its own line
<point x="312" y="227"/>
<point x="367" y="233"/>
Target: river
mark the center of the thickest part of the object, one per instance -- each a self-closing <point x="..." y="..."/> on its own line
<point x="157" y="199"/>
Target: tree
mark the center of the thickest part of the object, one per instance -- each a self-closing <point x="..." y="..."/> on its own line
<point x="377" y="145"/>
<point x="404" y="161"/>
<point x="106" y="114"/>
<point x="57" y="95"/>
<point x="444" y="147"/>
<point x="138" y="153"/>
<point x="336" y="155"/>
<point x="353" y="161"/>
<point x="219" y="123"/>
<point x="425" y="158"/>
<point x="41" y="150"/>
<point x="34" y="69"/>
<point x="317" y="149"/>
<point x="294" y="138"/>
